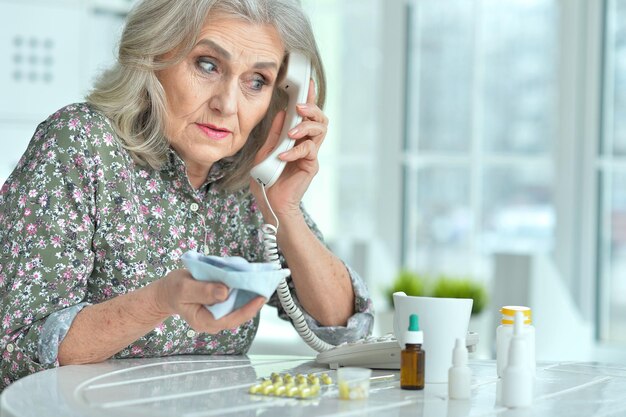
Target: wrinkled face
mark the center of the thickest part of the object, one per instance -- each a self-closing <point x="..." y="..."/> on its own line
<point x="221" y="90"/>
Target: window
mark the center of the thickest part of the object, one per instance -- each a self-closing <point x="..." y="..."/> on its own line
<point x="481" y="128"/>
<point x="503" y="151"/>
<point x="348" y="33"/>
<point x="342" y="199"/>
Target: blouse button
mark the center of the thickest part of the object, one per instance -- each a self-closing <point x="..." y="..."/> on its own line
<point x="191" y="333"/>
<point x="10" y="348"/>
<point x="194" y="207"/>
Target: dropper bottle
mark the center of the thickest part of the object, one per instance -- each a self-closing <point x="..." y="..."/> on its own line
<point x="412" y="357"/>
<point x="459" y="375"/>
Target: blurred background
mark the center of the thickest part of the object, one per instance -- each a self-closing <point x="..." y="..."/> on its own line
<point x="476" y="148"/>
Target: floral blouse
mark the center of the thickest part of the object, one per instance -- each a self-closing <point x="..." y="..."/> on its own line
<point x="81" y="223"/>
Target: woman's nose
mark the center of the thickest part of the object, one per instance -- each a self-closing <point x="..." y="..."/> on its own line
<point x="224" y="98"/>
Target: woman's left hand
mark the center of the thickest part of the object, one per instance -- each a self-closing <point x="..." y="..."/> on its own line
<point x="302" y="164"/>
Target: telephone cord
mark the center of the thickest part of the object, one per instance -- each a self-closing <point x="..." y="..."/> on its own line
<point x="270" y="252"/>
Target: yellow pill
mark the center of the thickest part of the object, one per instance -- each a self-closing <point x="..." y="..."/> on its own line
<point x="280" y="391"/>
<point x="292" y="391"/>
<point x="314" y="380"/>
<point x="255" y="389"/>
<point x="288" y="378"/>
<point x="326" y="380"/>
<point x="344" y="391"/>
<point x="289" y="384"/>
<point x="268" y="390"/>
<point x="304" y="392"/>
<point x="301" y="380"/>
<point x="277" y="379"/>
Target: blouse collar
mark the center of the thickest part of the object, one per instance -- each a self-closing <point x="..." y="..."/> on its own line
<point x="176" y="166"/>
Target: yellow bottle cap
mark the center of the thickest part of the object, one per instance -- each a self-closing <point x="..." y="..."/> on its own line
<point x="508" y="313"/>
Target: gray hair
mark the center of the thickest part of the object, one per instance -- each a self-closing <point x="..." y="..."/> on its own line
<point x="131" y="96"/>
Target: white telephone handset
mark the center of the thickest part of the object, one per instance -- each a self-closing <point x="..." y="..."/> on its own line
<point x="296" y="85"/>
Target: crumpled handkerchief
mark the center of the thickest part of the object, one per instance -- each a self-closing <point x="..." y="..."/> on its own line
<point x="245" y="280"/>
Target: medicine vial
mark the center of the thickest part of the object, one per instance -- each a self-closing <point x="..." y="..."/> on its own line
<point x="459" y="374"/>
<point x="504" y="333"/>
<point x="412" y="357"/>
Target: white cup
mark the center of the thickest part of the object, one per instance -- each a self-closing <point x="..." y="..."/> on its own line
<point x="442" y="320"/>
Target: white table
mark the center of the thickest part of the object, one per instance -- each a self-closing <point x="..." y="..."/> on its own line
<point x="217" y="386"/>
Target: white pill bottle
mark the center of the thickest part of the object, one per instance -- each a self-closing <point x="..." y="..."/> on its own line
<point x="504" y="334"/>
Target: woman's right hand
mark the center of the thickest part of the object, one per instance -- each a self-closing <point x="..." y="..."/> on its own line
<point x="179" y="293"/>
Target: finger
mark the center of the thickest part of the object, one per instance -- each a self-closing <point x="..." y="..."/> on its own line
<point x="272" y="137"/>
<point x="310" y="98"/>
<point x="198" y="292"/>
<point x="307" y="149"/>
<point x="309" y="128"/>
<point x="312" y="112"/>
<point x="242" y="314"/>
<point x="203" y="320"/>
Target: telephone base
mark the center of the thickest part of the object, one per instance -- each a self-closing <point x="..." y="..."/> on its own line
<point x="373" y="352"/>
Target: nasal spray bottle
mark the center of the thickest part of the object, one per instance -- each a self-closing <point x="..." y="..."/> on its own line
<point x="412" y="358"/>
<point x="459" y="375"/>
<point x="504" y="333"/>
<point x="517" y="378"/>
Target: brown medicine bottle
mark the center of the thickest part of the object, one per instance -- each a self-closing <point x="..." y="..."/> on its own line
<point x="412" y="358"/>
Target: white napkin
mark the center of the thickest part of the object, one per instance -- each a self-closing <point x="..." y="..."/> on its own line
<point x="245" y="280"/>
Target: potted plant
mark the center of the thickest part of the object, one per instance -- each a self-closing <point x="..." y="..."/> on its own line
<point x="449" y="287"/>
<point x="409" y="282"/>
<point x="444" y="286"/>
<point x="412" y="283"/>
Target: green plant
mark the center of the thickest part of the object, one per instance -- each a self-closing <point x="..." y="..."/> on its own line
<point x="447" y="287"/>
<point x="408" y="282"/>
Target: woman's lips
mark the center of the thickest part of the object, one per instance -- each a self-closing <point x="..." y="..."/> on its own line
<point x="214" y="132"/>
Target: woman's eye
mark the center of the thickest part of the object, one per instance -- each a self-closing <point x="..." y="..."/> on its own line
<point x="207" y="66"/>
<point x="257" y="83"/>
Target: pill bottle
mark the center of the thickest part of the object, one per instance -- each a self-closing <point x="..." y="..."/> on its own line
<point x="504" y="333"/>
<point x="412" y="357"/>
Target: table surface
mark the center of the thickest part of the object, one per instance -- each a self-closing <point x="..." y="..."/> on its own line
<point x="218" y="385"/>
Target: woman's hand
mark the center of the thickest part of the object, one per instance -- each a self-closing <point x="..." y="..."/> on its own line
<point x="302" y="164"/>
<point x="178" y="293"/>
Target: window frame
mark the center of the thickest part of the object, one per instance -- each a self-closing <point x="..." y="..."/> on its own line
<point x="582" y="28"/>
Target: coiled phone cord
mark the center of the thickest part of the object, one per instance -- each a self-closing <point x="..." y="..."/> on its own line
<point x="270" y="252"/>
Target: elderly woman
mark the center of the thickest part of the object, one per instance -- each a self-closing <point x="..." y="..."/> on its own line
<point x="110" y="193"/>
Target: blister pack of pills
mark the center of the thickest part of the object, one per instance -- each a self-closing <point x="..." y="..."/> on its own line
<point x="289" y="386"/>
